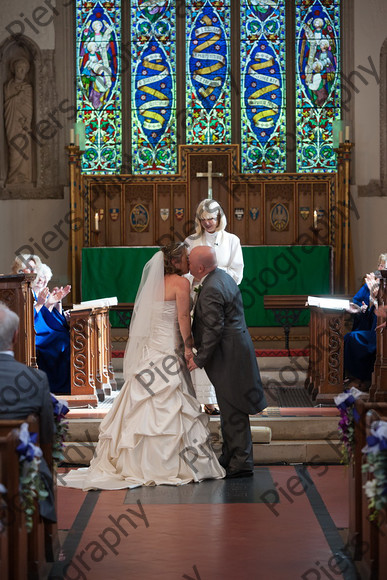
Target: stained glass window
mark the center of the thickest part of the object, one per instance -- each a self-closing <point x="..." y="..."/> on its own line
<point x="210" y="40"/>
<point x="318" y="95"/>
<point x="262" y="58"/>
<point x="98" y="42"/>
<point x="153" y="75"/>
<point x="208" y="79"/>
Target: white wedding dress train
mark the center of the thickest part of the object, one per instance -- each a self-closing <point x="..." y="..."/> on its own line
<point x="154" y="433"/>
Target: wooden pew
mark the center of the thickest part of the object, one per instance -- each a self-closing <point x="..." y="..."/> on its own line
<point x="16" y="529"/>
<point x="357" y="508"/>
<point x="16" y="293"/>
<point x="37" y="537"/>
<point x="4" y="544"/>
<point x="378" y="390"/>
<point x="359" y="526"/>
<point x="374" y="560"/>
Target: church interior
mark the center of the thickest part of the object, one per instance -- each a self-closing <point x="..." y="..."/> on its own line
<point x="117" y="119"/>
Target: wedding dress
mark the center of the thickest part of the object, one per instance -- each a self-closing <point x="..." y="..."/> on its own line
<point x="155" y="433"/>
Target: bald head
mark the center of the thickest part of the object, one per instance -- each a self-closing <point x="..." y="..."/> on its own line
<point x="202" y="260"/>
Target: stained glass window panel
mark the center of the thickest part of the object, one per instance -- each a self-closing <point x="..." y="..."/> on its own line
<point x="208" y="78"/>
<point x="153" y="89"/>
<point x="98" y="41"/>
<point x="263" y="87"/>
<point x="317" y="83"/>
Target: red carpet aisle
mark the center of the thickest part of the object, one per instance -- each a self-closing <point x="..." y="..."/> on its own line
<point x="283" y="524"/>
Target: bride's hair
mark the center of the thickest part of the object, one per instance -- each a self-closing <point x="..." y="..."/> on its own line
<point x="173" y="251"/>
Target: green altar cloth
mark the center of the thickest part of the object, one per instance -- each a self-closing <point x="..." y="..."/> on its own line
<point x="268" y="270"/>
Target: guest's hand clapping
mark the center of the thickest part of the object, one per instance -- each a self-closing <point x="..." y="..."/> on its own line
<point x="373" y="286"/>
<point x="41" y="298"/>
<point x="56" y="297"/>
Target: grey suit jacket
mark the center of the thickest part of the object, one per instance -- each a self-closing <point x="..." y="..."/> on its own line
<point x="224" y="346"/>
<point x="24" y="390"/>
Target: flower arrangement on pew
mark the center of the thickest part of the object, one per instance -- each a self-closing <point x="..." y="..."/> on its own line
<point x="3" y="509"/>
<point x="345" y="402"/>
<point x="61" y="428"/>
<point x="31" y="484"/>
<point x="376" y="464"/>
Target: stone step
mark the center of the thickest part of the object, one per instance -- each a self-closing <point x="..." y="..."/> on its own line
<point x="284" y="452"/>
<point x="282" y="428"/>
<point x="275" y="439"/>
<point x="266" y="363"/>
<point x="275" y="371"/>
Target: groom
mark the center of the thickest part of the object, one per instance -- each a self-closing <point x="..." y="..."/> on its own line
<point x="225" y="350"/>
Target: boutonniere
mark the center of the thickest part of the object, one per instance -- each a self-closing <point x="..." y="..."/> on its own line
<point x="198" y="289"/>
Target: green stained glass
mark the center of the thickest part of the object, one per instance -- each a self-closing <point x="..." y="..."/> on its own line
<point x="98" y="42"/>
<point x="318" y="93"/>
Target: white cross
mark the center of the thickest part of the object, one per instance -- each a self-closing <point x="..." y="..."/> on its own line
<point x="210" y="175"/>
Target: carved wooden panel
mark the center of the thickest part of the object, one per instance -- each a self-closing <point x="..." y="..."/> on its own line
<point x="16" y="293"/>
<point x="335" y="351"/>
<point x="326" y="364"/>
<point x="378" y="390"/>
<point x="279" y="213"/>
<point x="82" y="356"/>
<point x="139" y="214"/>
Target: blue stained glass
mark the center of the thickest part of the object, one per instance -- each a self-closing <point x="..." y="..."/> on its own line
<point x="263" y="119"/>
<point x="208" y="80"/>
<point x="153" y="97"/>
<point x="153" y="51"/>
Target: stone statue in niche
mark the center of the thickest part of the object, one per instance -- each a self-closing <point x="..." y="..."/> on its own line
<point x="18" y="112"/>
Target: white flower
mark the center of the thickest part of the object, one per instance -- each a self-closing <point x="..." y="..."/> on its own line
<point x="370" y="488"/>
<point x="353" y="391"/>
<point x="379" y="429"/>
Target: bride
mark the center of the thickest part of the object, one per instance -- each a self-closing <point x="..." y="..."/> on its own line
<point x="154" y="433"/>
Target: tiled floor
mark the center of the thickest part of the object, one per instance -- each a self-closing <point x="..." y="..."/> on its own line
<point x="287" y="522"/>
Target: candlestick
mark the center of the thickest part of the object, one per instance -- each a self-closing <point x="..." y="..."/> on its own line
<point x="340" y="137"/>
<point x="96" y="221"/>
<point x="347" y="133"/>
<point x="315" y="219"/>
<point x="77" y="139"/>
<point x="72" y="135"/>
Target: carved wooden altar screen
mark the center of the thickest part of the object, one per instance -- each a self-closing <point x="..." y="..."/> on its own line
<point x="145" y="210"/>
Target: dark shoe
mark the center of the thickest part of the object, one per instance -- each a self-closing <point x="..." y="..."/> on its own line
<point x="235" y="474"/>
<point x="210" y="411"/>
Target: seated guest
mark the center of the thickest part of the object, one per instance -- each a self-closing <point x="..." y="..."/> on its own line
<point x="360" y="343"/>
<point x="25" y="264"/>
<point x="52" y="332"/>
<point x="24" y="390"/>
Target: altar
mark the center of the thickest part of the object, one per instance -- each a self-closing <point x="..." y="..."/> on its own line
<point x="116" y="271"/>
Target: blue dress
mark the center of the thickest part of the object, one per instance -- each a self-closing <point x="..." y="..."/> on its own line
<point x="360" y="343"/>
<point x="53" y="348"/>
